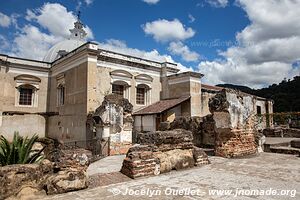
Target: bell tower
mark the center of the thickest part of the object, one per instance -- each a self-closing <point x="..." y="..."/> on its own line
<point x="78" y="33"/>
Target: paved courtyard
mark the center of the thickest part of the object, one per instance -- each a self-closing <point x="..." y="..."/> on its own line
<point x="267" y="173"/>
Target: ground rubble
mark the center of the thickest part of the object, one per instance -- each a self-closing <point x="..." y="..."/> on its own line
<point x="24" y="181"/>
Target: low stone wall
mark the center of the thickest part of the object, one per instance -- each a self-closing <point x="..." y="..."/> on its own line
<point x="161" y="152"/>
<point x="235" y="143"/>
<point x="140" y="161"/>
<point x="67" y="174"/>
<point x="167" y="140"/>
<point x="282" y="132"/>
<point x="119" y="148"/>
<point x="295" y="143"/>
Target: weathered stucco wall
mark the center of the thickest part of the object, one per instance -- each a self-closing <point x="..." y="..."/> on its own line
<point x="102" y="77"/>
<point x="13" y="74"/>
<point x="26" y="125"/>
<point x="9" y="92"/>
<point x="69" y="122"/>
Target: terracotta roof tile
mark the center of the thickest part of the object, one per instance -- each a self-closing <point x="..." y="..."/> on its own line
<point x="210" y="87"/>
<point x="161" y="106"/>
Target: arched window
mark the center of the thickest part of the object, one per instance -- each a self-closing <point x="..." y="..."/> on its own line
<point x="61" y="95"/>
<point x="120" y="88"/>
<point x="120" y="81"/>
<point x="26" y="95"/>
<point x="142" y="94"/>
<point x="27" y="87"/>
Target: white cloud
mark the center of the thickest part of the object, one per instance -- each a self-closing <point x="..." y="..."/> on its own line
<point x="4" y="44"/>
<point x="217" y="3"/>
<point x="34" y="40"/>
<point x="151" y="1"/>
<point x="191" y="18"/>
<point x="267" y="48"/>
<point x="88" y="2"/>
<point x="5" y="20"/>
<point x="32" y="43"/>
<point x="81" y="3"/>
<point x="178" y="48"/>
<point x="55" y="18"/>
<point x="163" y="30"/>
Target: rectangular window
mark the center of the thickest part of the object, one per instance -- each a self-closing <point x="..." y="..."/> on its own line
<point x="61" y="95"/>
<point x="118" y="89"/>
<point x="140" y="96"/>
<point x="25" y="96"/>
<point x="258" y="110"/>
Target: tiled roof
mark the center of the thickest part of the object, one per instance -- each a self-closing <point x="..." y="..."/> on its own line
<point x="161" y="106"/>
<point x="210" y="87"/>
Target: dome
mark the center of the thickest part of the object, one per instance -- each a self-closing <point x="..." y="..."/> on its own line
<point x="66" y="45"/>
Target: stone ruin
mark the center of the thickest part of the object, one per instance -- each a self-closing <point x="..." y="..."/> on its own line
<point x="113" y="122"/>
<point x="203" y="129"/>
<point x="231" y="128"/>
<point x="162" y="151"/>
<point x="235" y="123"/>
<point x="61" y="171"/>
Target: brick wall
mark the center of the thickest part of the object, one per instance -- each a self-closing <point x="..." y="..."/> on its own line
<point x="234" y="143"/>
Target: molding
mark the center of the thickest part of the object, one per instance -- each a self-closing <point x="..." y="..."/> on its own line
<point x="183" y="80"/>
<point x="26" y="77"/>
<point x="128" y="68"/>
<point x="144" y="77"/>
<point x="121" y="73"/>
<point x="28" y="72"/>
<point x="73" y="64"/>
<point x="121" y="79"/>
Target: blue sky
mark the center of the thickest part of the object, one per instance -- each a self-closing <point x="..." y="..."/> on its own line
<point x="227" y="40"/>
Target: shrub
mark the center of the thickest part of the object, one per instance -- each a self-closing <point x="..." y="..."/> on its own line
<point x="19" y="151"/>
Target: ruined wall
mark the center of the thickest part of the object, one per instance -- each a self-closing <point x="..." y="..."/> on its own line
<point x="203" y="129"/>
<point x="113" y="122"/>
<point x="205" y="96"/>
<point x="234" y="114"/>
<point x="262" y="122"/>
<point x="162" y="151"/>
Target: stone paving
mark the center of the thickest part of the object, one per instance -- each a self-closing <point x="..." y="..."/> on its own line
<point x="106" y="165"/>
<point x="267" y="171"/>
